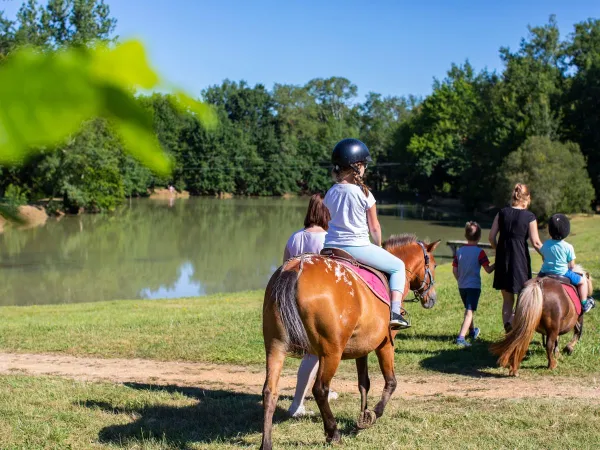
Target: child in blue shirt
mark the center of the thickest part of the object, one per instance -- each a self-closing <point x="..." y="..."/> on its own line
<point x="559" y="258"/>
<point x="466" y="268"/>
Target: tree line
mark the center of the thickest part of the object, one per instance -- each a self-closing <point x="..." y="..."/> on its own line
<point x="535" y="121"/>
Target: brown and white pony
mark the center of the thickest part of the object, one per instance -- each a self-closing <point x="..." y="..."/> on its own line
<point x="313" y="304"/>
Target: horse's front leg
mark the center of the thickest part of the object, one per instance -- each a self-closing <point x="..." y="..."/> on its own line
<point x="578" y="331"/>
<point x="327" y="368"/>
<point x="366" y="418"/>
<point x="385" y="355"/>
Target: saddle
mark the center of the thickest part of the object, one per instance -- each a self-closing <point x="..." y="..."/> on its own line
<point x="569" y="289"/>
<point x="377" y="281"/>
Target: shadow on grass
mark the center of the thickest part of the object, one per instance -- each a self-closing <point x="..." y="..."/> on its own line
<point x="472" y="361"/>
<point x="218" y="416"/>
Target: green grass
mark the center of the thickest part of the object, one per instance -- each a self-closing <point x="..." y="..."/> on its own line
<point x="57" y="413"/>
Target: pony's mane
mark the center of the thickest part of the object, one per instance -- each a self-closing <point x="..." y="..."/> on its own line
<point x="399" y="240"/>
<point x="581" y="270"/>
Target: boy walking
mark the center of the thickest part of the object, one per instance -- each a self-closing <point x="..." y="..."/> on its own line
<point x="466" y="268"/>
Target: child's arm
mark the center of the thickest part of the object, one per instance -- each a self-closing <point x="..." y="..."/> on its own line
<point x="489" y="268"/>
<point x="485" y="262"/>
<point x="572" y="264"/>
<point x="455" y="267"/>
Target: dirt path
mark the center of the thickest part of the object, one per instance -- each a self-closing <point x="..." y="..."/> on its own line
<point x="250" y="380"/>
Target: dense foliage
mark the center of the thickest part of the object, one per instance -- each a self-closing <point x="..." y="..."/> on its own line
<point x="476" y="131"/>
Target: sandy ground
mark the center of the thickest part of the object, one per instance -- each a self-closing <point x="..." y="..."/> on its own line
<point x="250" y="380"/>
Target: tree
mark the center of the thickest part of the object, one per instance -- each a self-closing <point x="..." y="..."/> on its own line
<point x="555" y="173"/>
<point x="582" y="99"/>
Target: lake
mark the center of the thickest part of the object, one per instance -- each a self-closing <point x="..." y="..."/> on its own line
<point x="169" y="249"/>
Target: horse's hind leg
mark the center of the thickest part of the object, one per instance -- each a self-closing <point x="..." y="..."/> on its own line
<point x="385" y="355"/>
<point x="578" y="330"/>
<point x="551" y="343"/>
<point x="275" y="359"/>
<point x="327" y="368"/>
<point x="366" y="418"/>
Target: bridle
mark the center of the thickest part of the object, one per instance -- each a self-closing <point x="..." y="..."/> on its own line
<point x="428" y="282"/>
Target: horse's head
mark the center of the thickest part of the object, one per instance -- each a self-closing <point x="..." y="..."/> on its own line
<point x="420" y="265"/>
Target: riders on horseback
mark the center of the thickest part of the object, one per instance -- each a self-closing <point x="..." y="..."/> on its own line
<point x="559" y="258"/>
<point x="354" y="217"/>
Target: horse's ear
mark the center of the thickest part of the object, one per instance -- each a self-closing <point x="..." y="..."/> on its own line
<point x="431" y="247"/>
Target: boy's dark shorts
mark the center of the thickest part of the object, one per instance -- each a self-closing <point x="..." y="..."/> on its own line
<point x="470" y="297"/>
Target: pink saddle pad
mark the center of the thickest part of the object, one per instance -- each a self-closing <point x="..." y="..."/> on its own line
<point x="374" y="283"/>
<point x="574" y="296"/>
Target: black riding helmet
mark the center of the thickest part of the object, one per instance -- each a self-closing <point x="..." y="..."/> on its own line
<point x="559" y="227"/>
<point x="348" y="152"/>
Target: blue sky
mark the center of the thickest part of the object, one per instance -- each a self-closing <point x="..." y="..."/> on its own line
<point x="391" y="47"/>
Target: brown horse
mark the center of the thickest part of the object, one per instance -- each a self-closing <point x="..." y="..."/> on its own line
<point x="542" y="306"/>
<point x="316" y="305"/>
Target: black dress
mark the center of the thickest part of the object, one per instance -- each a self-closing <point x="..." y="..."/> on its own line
<point x="513" y="263"/>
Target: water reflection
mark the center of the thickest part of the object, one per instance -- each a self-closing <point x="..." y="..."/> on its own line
<point x="185" y="286"/>
<point x="154" y="249"/>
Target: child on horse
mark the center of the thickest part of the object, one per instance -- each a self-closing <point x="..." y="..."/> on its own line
<point x="466" y="268"/>
<point x="559" y="258"/>
<point x="354" y="217"/>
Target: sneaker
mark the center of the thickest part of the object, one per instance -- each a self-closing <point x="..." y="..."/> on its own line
<point x="589" y="304"/>
<point x="474" y="333"/>
<point x="301" y="411"/>
<point x="398" y="322"/>
<point x="461" y="342"/>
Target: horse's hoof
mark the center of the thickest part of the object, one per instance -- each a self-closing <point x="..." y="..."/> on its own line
<point x="335" y="438"/>
<point x="568" y="351"/>
<point x="513" y="373"/>
<point x="366" y="419"/>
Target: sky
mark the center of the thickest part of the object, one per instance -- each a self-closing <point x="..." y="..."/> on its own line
<point x="390" y="47"/>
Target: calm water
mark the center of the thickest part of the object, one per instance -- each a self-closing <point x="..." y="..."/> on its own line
<point x="154" y="249"/>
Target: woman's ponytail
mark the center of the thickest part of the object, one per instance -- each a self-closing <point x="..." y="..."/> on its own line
<point x="520" y="195"/>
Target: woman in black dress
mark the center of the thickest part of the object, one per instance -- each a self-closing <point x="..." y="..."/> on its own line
<point x="513" y="264"/>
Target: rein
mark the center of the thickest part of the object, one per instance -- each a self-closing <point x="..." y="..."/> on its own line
<point x="428" y="281"/>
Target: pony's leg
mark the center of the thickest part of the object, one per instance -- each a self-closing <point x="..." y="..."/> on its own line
<point x="551" y="342"/>
<point x="275" y="359"/>
<point x="578" y="330"/>
<point x="327" y="368"/>
<point x="366" y="418"/>
<point x="385" y="355"/>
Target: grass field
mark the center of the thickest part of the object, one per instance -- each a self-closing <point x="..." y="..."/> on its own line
<point x="57" y="413"/>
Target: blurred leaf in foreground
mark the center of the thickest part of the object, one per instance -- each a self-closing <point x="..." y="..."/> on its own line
<point x="46" y="96"/>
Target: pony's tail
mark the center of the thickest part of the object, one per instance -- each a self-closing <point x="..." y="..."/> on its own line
<point x="528" y="313"/>
<point x="284" y="290"/>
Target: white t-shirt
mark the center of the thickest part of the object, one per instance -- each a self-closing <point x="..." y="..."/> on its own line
<point x="303" y="241"/>
<point x="348" y="207"/>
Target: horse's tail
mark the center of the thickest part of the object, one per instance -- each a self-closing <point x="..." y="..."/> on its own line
<point x="284" y="292"/>
<point x="528" y="313"/>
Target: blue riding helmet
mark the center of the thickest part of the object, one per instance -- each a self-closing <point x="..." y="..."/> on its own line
<point x="348" y="152"/>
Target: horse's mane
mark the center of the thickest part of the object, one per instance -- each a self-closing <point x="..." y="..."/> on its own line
<point x="399" y="240"/>
<point x="581" y="270"/>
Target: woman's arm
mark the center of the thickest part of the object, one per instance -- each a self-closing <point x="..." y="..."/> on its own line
<point x="534" y="236"/>
<point x="494" y="233"/>
<point x="374" y="227"/>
